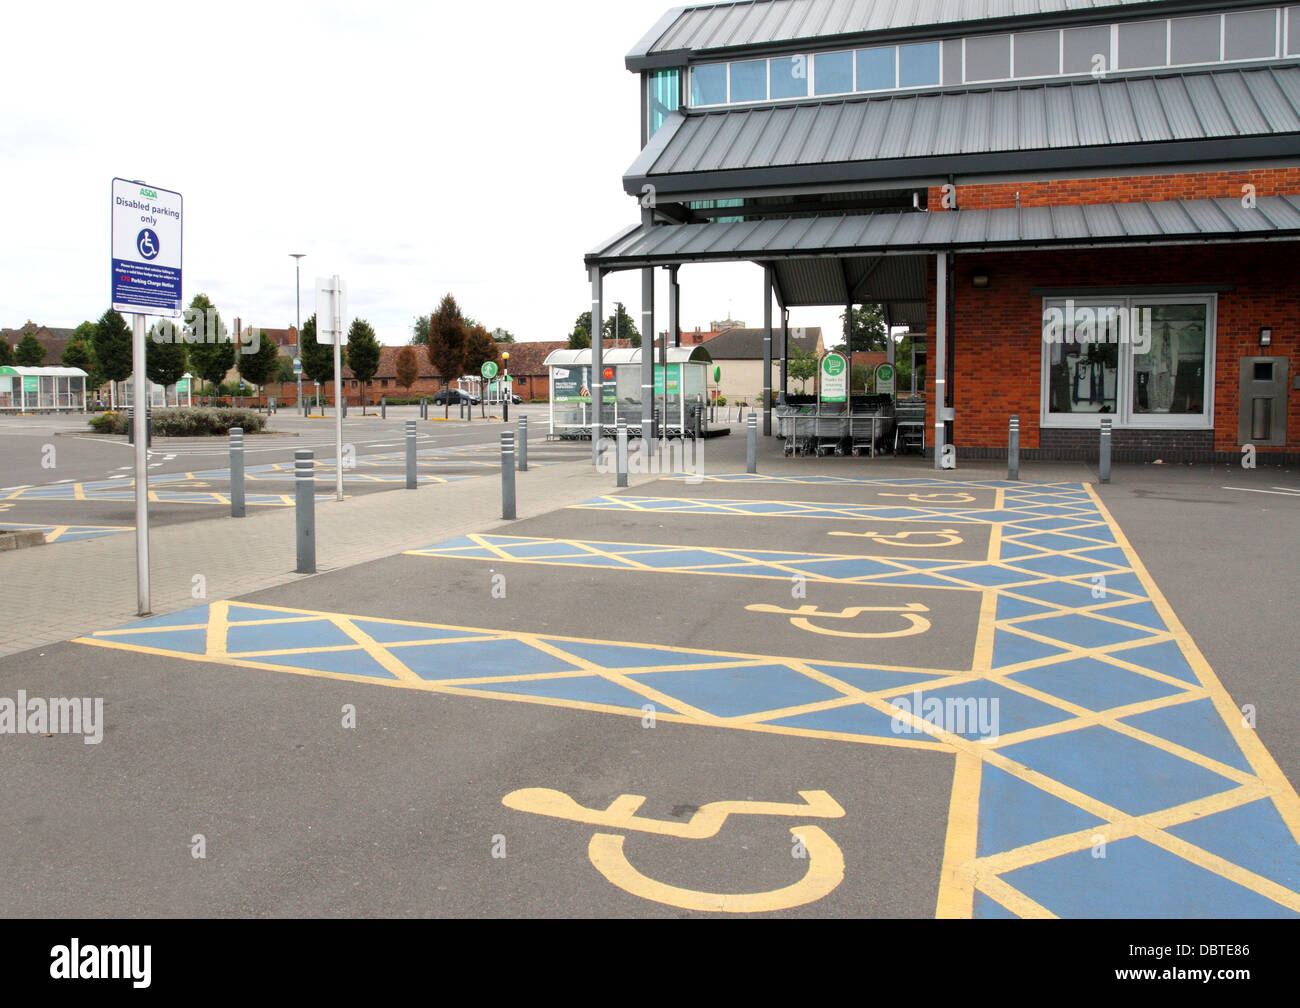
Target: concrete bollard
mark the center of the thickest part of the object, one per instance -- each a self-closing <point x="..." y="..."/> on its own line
<point x="304" y="485"/>
<point x="523" y="444"/>
<point x="236" y="472"/>
<point x="751" y="445"/>
<point x="1103" y="464"/>
<point x="508" y="475"/>
<point x="410" y="455"/>
<point x="345" y="409"/>
<point x="1013" y="449"/>
<point x="383" y="407"/>
<point x="620" y="454"/>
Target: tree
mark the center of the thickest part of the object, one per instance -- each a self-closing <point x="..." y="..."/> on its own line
<point x="212" y="351"/>
<point x="620" y="326"/>
<point x="113" y="347"/>
<point x="30" y="352"/>
<point x="408" y="368"/>
<point x="502" y="336"/>
<point x="363" y="354"/>
<point x="479" y="349"/>
<point x="318" y="358"/>
<point x="164" y="356"/>
<point x="85" y="331"/>
<point x="6" y="353"/>
<point x="420" y="331"/>
<point x="284" y="370"/>
<point x="80" y="353"/>
<point x="447" y="344"/>
<point x="801" y="366"/>
<point x="263" y="364"/>
<point x="579" y="339"/>
<point x="869" y="330"/>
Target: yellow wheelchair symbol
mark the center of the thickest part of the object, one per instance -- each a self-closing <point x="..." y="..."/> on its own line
<point x="948" y="537"/>
<point x="825" y="860"/>
<point x="933" y="498"/>
<point x="799" y="618"/>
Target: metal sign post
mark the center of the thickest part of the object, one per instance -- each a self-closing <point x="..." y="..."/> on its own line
<point x="145" y="264"/>
<point x="331" y="305"/>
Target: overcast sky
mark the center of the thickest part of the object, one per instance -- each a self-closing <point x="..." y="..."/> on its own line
<point x="413" y="148"/>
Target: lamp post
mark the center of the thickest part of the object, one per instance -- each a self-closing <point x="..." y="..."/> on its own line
<point x="505" y="386"/>
<point x="297" y="287"/>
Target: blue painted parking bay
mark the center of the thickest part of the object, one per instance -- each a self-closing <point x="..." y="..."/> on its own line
<point x="1100" y="767"/>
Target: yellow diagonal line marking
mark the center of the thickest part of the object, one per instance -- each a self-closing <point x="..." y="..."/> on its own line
<point x="218" y="625"/>
<point x="956" y="880"/>
<point x="384" y="657"/>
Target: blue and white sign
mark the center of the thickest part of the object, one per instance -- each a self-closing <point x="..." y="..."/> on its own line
<point x="146" y="250"/>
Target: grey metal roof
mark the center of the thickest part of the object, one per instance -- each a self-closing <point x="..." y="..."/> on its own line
<point x="766" y="22"/>
<point x="747" y="344"/>
<point x="1227" y="104"/>
<point x="911" y="232"/>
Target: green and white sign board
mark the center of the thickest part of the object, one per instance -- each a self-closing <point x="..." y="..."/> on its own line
<point x="885" y="375"/>
<point x="32" y="384"/>
<point x="834" y="378"/>
<point x="674" y="379"/>
<point x="489" y="369"/>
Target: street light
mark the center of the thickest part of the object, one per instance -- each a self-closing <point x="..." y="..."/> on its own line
<point x="297" y="287"/>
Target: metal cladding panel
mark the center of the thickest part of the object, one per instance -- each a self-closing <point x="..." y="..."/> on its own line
<point x="817" y="237"/>
<point x="1136" y="219"/>
<point x="1207" y="101"/>
<point x="949" y="128"/>
<point x="1089" y="115"/>
<point x="821" y="135"/>
<point x="1004" y="128"/>
<point x="1036" y="223"/>
<point x="940" y="228"/>
<point x="745" y="151"/>
<point x="1117" y="112"/>
<point x="1069" y="222"/>
<point x="1246" y="114"/>
<point x="971" y="227"/>
<point x="724" y="141"/>
<point x="909" y="228"/>
<point x="925" y="125"/>
<point x="1282" y="211"/>
<point x="1172" y="218"/>
<point x="768" y="146"/>
<point x="1178" y="109"/>
<point x="1062" y="130"/>
<point x="978" y="118"/>
<point x="810" y="281"/>
<point x="871" y="134"/>
<point x="1101" y="219"/>
<point x="902" y="116"/>
<point x="1283" y="116"/>
<point x="1032" y="119"/>
<point x="1002" y="226"/>
<point x="849" y="231"/>
<point x="688" y="146"/>
<point x="1148" y="111"/>
<point x="795" y="141"/>
<point x="1238" y="216"/>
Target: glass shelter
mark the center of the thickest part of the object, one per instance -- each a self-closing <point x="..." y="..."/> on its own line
<point x="43" y="389"/>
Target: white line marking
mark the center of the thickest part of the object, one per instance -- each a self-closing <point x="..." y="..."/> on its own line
<point x="1275" y="493"/>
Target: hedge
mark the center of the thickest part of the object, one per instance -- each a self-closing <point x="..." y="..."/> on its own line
<point x="186" y="421"/>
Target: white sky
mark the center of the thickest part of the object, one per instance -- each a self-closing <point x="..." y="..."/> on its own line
<point x="414" y="148"/>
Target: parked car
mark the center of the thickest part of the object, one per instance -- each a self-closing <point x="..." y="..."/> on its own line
<point x="455" y="396"/>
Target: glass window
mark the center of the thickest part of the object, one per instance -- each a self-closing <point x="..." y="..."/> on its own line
<point x="709" y="84"/>
<point x="1169" y="358"/>
<point x="1083" y="46"/>
<point x="1038" y="54"/>
<point x="749" y="81"/>
<point x="664" y="97"/>
<point x="833" y="72"/>
<point x="1194" y="40"/>
<point x="1293" y="36"/>
<point x="918" y="65"/>
<point x="952" y="61"/>
<point x="988" y="58"/>
<point x="789" y="77"/>
<point x="1143" y="44"/>
<point x="876" y="69"/>
<point x="1083" y="364"/>
<point x="1251" y="35"/>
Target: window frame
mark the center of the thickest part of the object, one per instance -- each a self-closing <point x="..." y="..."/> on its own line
<point x="1124" y="415"/>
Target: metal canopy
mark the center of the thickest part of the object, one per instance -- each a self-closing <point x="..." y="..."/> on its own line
<point x="1162" y="117"/>
<point x="624" y="355"/>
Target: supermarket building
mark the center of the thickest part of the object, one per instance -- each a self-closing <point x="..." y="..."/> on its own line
<point x="1092" y="211"/>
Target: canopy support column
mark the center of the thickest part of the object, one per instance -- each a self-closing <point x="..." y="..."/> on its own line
<point x="648" y="357"/>
<point x="785" y="353"/>
<point x="767" y="351"/>
<point x="597" y="365"/>
<point x="940" y="356"/>
<point x="674" y="326"/>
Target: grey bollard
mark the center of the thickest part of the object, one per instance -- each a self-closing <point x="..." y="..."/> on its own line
<point x="410" y="455"/>
<point x="620" y="454"/>
<point x="751" y="445"/>
<point x="236" y="472"/>
<point x="383" y="407"/>
<point x="508" y="475"/>
<point x="1103" y="465"/>
<point x="345" y="409"/>
<point x="522" y="442"/>
<point x="304" y="486"/>
<point x="1013" y="449"/>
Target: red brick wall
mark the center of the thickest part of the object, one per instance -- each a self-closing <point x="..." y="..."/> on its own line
<point x="997" y="338"/>
<point x="1131" y="189"/>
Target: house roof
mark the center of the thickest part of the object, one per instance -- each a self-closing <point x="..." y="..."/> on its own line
<point x="525" y="359"/>
<point x="1161" y="118"/>
<point x="747" y="344"/>
<point x="721" y="27"/>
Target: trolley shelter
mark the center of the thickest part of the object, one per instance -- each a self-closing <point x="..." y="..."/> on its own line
<point x="180" y="393"/>
<point x="23" y="389"/>
<point x="680" y="392"/>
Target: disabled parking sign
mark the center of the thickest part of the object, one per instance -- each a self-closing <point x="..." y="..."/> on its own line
<point x="146" y="249"/>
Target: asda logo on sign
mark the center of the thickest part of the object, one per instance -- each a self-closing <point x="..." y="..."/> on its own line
<point x="833" y="364"/>
<point x="834" y="375"/>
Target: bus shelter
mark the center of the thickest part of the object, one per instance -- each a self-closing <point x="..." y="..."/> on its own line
<point x="57" y="389"/>
<point x="679" y="395"/>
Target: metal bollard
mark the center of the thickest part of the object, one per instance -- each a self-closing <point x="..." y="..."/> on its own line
<point x="523" y="444"/>
<point x="508" y="475"/>
<point x="1103" y="464"/>
<point x="345" y="409"/>
<point x="383" y="407"/>
<point x="236" y="472"/>
<point x="304" y="485"/>
<point x="751" y="446"/>
<point x="410" y="455"/>
<point x="1013" y="449"/>
<point x="620" y="454"/>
